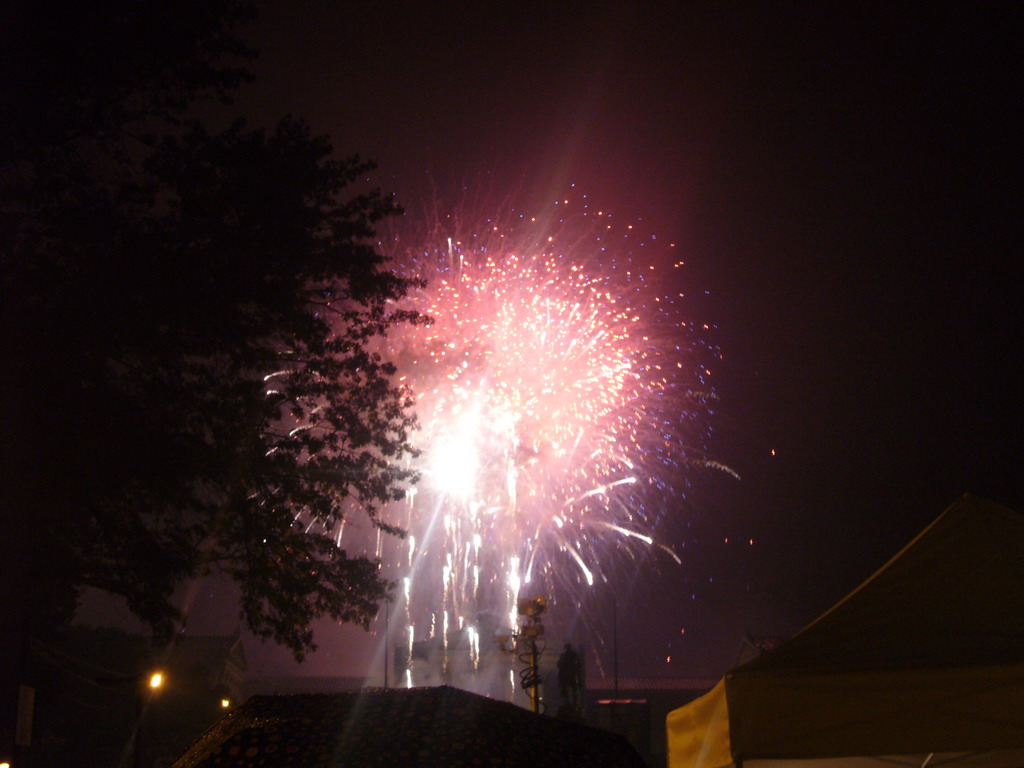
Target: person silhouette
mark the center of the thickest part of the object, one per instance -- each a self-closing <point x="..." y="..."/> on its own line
<point x="570" y="676"/>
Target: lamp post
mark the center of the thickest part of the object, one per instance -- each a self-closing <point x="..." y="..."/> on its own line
<point x="154" y="682"/>
<point x="532" y="631"/>
<point x="142" y="687"/>
<point x="524" y="640"/>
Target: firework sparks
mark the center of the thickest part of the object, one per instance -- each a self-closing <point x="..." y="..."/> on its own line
<point x="555" y="390"/>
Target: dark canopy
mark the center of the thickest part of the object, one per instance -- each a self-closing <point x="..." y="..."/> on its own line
<point x="415" y="727"/>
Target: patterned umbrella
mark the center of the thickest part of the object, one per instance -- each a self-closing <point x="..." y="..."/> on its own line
<point x="441" y="726"/>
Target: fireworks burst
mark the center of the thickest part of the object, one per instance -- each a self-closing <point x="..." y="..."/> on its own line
<point x="561" y="405"/>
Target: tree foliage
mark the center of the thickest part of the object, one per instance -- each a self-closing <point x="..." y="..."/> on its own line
<point x="187" y="321"/>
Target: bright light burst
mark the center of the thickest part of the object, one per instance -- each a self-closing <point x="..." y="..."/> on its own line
<point x="562" y="401"/>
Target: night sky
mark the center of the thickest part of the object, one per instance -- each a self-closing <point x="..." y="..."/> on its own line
<point x="842" y="181"/>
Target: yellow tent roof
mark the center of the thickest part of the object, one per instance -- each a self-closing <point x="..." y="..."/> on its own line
<point x="925" y="657"/>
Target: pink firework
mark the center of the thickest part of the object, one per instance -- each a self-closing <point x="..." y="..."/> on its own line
<point x="560" y="406"/>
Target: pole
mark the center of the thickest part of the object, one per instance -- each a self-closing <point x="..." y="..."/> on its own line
<point x="615" y="663"/>
<point x="140" y="712"/>
<point x="387" y="642"/>
<point x="535" y="677"/>
<point x="615" y="644"/>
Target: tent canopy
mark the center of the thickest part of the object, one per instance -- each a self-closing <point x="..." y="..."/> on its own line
<point x="923" y="662"/>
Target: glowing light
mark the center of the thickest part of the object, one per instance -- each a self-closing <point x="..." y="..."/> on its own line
<point x="454" y="463"/>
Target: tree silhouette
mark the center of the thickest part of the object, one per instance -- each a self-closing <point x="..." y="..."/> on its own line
<point x="186" y="321"/>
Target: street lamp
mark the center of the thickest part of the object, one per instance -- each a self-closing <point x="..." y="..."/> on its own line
<point x="143" y="687"/>
<point x="154" y="682"/>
